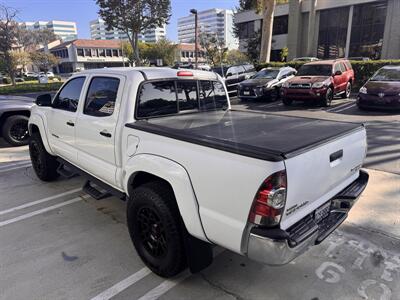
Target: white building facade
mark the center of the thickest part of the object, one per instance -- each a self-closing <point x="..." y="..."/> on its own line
<point x="218" y="22"/>
<point x="98" y="31"/>
<point x="67" y="31"/>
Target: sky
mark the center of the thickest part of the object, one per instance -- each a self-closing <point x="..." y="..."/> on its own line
<point x="83" y="11"/>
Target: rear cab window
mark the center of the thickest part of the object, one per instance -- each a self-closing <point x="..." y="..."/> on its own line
<point x="169" y="97"/>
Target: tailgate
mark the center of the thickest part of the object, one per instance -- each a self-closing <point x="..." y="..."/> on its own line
<point x="318" y="174"/>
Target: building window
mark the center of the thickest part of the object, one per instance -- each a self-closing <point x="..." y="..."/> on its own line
<point x="281" y="25"/>
<point x="102" y="52"/>
<point x="120" y="52"/>
<point x="88" y="52"/>
<point x="367" y="30"/>
<point x="115" y="52"/>
<point x="94" y="52"/>
<point x="108" y="52"/>
<point x="246" y="29"/>
<point x="333" y="32"/>
<point x="79" y="51"/>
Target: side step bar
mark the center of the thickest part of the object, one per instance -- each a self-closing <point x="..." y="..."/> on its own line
<point x="69" y="170"/>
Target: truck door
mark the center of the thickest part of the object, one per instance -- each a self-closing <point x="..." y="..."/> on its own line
<point x="96" y="123"/>
<point x="62" y="118"/>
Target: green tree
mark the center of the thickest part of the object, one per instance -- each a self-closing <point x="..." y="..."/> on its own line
<point x="162" y="49"/>
<point x="133" y="17"/>
<point x="20" y="60"/>
<point x="33" y="39"/>
<point x="44" y="61"/>
<point x="215" y="49"/>
<point x="284" y="53"/>
<point x="235" y="57"/>
<point x="8" y="39"/>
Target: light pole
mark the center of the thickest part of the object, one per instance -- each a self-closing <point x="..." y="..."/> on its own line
<point x="196" y="49"/>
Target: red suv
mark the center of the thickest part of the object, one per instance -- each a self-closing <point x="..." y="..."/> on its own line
<point x="319" y="80"/>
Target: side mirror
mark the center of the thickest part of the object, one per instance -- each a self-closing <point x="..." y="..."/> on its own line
<point x="43" y="100"/>
<point x="338" y="73"/>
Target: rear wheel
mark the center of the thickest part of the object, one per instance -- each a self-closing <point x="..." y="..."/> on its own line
<point x="347" y="92"/>
<point x="155" y="228"/>
<point x="44" y="164"/>
<point x="287" y="102"/>
<point x="327" y="100"/>
<point x="274" y="94"/>
<point x="15" y="130"/>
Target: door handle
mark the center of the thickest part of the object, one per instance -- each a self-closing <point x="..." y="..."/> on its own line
<point x="105" y="133"/>
<point x="336" y="155"/>
<point x="69" y="123"/>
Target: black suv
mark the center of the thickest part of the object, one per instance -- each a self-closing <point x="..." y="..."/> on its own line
<point x="233" y="75"/>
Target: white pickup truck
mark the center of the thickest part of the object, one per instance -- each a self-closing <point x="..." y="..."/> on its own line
<point x="194" y="171"/>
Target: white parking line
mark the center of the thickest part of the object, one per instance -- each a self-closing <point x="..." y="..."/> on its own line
<point x="348" y="107"/>
<point x="341" y="106"/>
<point x="40" y="211"/>
<point x="168" y="284"/>
<point x="15" y="163"/>
<point x="122" y="285"/>
<point x="3" y="212"/>
<point x="27" y="165"/>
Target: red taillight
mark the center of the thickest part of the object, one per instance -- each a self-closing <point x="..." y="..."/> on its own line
<point x="185" y="73"/>
<point x="270" y="200"/>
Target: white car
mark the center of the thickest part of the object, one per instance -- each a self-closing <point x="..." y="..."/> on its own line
<point x="195" y="172"/>
<point x="50" y="74"/>
<point x="31" y="74"/>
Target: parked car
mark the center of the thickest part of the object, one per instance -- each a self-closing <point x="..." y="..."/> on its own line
<point x="306" y="58"/>
<point x="14" y="116"/>
<point x="31" y="74"/>
<point x="382" y="90"/>
<point x="319" y="81"/>
<point x="265" y="84"/>
<point x="50" y="74"/>
<point x="233" y="75"/>
<point x="195" y="172"/>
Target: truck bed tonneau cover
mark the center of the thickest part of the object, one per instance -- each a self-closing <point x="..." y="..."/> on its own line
<point x="258" y="135"/>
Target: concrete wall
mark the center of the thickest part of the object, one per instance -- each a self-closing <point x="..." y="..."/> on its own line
<point x="391" y="36"/>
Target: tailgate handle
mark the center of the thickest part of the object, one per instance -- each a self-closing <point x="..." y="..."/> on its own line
<point x="336" y="155"/>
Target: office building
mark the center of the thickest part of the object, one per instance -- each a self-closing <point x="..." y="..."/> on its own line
<point x="330" y="29"/>
<point x="217" y="22"/>
<point x="66" y="31"/>
<point x="78" y="55"/>
<point x="98" y="31"/>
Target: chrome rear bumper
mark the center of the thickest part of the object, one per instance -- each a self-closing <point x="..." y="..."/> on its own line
<point x="279" y="247"/>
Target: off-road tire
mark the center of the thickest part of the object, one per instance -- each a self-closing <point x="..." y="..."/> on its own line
<point x="15" y="126"/>
<point x="327" y="100"/>
<point x="287" y="102"/>
<point x="157" y="201"/>
<point x="347" y="91"/>
<point x="44" y="164"/>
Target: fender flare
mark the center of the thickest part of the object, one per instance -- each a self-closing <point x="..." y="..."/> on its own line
<point x="36" y="120"/>
<point x="177" y="176"/>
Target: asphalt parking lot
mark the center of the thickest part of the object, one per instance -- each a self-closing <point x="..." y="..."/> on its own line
<point x="58" y="243"/>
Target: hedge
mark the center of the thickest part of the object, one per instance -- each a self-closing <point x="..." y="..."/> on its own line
<point x="363" y="70"/>
<point x="29" y="87"/>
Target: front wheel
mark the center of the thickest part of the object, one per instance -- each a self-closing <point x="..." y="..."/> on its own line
<point x="327" y="100"/>
<point x="15" y="130"/>
<point x="347" y="92"/>
<point x="44" y="164"/>
<point x="155" y="228"/>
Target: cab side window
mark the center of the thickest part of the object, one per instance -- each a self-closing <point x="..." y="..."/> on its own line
<point x="101" y="96"/>
<point x="68" y="98"/>
<point x="336" y="68"/>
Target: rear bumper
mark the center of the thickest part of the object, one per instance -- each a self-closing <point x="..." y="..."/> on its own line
<point x="279" y="247"/>
<point x="372" y="101"/>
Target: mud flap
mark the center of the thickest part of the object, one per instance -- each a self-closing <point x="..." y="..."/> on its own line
<point x="199" y="254"/>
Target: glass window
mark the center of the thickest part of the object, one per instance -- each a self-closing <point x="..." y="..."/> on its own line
<point x="315" y="70"/>
<point x="88" y="52"/>
<point x="101" y="96"/>
<point x="115" y="52"/>
<point x="102" y="52"/>
<point x="333" y="32"/>
<point x="246" y="29"/>
<point x="336" y="68"/>
<point x="108" y="52"/>
<point x="267" y="73"/>
<point x="187" y="95"/>
<point x="157" y="99"/>
<point x="212" y="95"/>
<point x="281" y="25"/>
<point x="68" y="97"/>
<point x="386" y="74"/>
<point x="367" y="29"/>
<point x="79" y="51"/>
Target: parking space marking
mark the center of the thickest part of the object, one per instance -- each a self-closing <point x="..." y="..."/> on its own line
<point x="348" y="107"/>
<point x="123" y="285"/>
<point x="3" y="212"/>
<point x="12" y="168"/>
<point x="15" y="163"/>
<point x="168" y="284"/>
<point x="340" y="107"/>
<point x="40" y="211"/>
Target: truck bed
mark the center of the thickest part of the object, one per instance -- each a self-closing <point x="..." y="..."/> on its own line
<point x="258" y="135"/>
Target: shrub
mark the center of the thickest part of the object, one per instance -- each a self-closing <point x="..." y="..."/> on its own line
<point x="363" y="70"/>
<point x="29" y="87"/>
